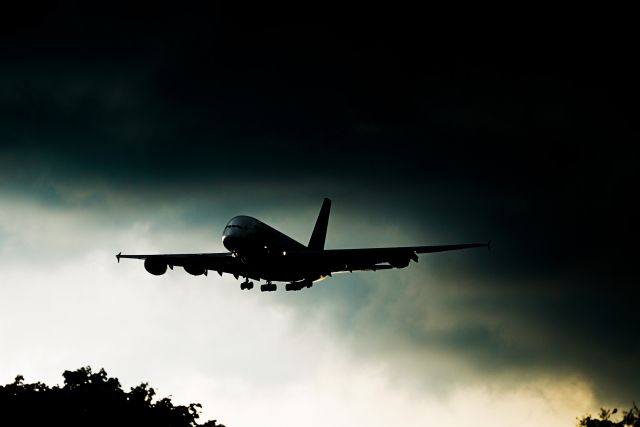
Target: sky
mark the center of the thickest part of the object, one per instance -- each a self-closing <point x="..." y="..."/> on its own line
<point x="143" y="130"/>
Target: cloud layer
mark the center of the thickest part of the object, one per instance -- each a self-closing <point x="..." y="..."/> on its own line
<point x="150" y="139"/>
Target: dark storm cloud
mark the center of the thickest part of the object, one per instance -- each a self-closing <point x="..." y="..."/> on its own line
<point x="525" y="141"/>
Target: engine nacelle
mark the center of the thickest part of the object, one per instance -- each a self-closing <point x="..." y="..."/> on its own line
<point x="195" y="269"/>
<point x="399" y="262"/>
<point x="155" y="266"/>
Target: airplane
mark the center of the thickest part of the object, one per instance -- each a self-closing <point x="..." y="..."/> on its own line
<point x="260" y="252"/>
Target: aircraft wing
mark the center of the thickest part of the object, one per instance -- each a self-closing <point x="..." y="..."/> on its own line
<point x="312" y="261"/>
<point x="200" y="263"/>
<point x="340" y="260"/>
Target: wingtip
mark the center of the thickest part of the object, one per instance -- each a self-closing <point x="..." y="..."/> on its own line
<point x="118" y="256"/>
<point x="489" y="245"/>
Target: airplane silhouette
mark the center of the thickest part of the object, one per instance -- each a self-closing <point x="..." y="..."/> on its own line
<point x="260" y="252"/>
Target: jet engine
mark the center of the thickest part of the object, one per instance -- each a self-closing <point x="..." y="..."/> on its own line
<point x="195" y="269"/>
<point x="155" y="266"/>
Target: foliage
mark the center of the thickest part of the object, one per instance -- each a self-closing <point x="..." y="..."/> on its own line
<point x="91" y="399"/>
<point x="630" y="418"/>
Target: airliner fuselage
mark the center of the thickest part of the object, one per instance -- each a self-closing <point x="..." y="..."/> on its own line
<point x="267" y="253"/>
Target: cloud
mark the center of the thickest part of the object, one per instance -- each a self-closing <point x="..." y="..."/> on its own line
<point x="150" y="140"/>
<point x="449" y="308"/>
<point x="246" y="356"/>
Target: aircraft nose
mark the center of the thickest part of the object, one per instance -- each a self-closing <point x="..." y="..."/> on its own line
<point x="230" y="242"/>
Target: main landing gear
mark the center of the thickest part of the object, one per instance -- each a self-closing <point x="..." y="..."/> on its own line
<point x="268" y="287"/>
<point x="297" y="286"/>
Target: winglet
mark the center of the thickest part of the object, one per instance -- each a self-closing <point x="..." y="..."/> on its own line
<point x="489" y="245"/>
<point x="118" y="257"/>
<point x="320" y="230"/>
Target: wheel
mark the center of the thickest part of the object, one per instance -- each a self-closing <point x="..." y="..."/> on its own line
<point x="269" y="287"/>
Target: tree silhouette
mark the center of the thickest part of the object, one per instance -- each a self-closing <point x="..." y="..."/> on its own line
<point x="91" y="399"/>
<point x="630" y="418"/>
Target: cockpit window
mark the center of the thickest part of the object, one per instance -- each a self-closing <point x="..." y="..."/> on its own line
<point x="235" y="226"/>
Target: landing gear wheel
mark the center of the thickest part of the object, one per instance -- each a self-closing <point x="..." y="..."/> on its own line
<point x="298" y="286"/>
<point x="269" y="287"/>
<point x="292" y="287"/>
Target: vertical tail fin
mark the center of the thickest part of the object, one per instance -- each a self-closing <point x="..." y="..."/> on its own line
<point x="320" y="230"/>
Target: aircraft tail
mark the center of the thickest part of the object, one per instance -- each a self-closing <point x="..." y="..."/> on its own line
<point x="320" y="230"/>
